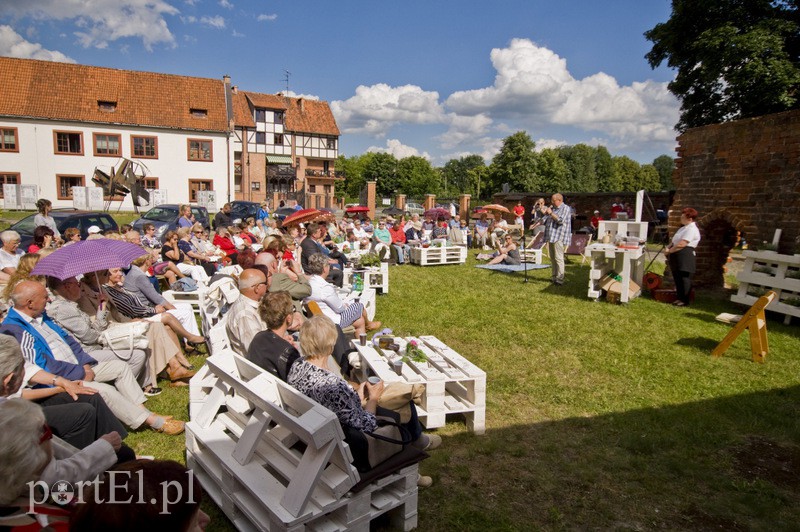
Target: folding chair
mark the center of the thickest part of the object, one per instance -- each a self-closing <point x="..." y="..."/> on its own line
<point x="578" y="244"/>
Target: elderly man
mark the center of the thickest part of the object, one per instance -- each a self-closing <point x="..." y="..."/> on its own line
<point x="52" y="349"/>
<point x="557" y="233"/>
<point x="9" y="254"/>
<point x="244" y="321"/>
<point x="312" y="244"/>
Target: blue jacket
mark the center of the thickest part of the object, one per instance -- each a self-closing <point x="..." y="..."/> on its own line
<point x="35" y="348"/>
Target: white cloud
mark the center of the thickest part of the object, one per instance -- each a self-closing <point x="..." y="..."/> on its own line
<point x="226" y="4"/>
<point x="104" y="21"/>
<point x="399" y="150"/>
<point x="237" y="34"/>
<point x="292" y="94"/>
<point x="464" y="129"/>
<point x="215" y="22"/>
<point x="542" y="144"/>
<point x="534" y="87"/>
<point x="375" y="109"/>
<point x="264" y="17"/>
<point x="12" y="44"/>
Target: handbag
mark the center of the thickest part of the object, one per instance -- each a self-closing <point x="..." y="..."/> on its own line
<point x="184" y="284"/>
<point x="122" y="339"/>
<point x="386" y="441"/>
<point x="398" y="395"/>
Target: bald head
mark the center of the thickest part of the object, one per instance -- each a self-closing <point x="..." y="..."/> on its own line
<point x="265" y="259"/>
<point x="252" y="283"/>
<point x="30" y="298"/>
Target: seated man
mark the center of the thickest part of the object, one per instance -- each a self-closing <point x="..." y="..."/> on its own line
<point x="49" y="347"/>
<point x="312" y="244"/>
<point x="499" y="230"/>
<point x="244" y="321"/>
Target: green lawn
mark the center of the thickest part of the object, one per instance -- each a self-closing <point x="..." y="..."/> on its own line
<point x="598" y="416"/>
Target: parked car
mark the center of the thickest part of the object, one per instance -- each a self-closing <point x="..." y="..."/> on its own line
<point x="241" y="210"/>
<point x="65" y="218"/>
<point x="165" y="218"/>
<point x="414" y="208"/>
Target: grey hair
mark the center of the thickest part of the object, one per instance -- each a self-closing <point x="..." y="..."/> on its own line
<point x="9" y="236"/>
<point x="23" y="457"/>
<point x="10" y="356"/>
<point x="316" y="263"/>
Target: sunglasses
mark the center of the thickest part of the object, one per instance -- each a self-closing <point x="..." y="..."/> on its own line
<point x="47" y="434"/>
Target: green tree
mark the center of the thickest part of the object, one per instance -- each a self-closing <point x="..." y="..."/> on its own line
<point x="457" y="176"/>
<point x="353" y="170"/>
<point x="552" y="171"/>
<point x="381" y="168"/>
<point x="734" y="58"/>
<point x="515" y="164"/>
<point x="626" y="173"/>
<point x="479" y="176"/>
<point x="647" y="178"/>
<point x="665" y="165"/>
<point x="603" y="169"/>
<point x="580" y="161"/>
<point x="416" y="177"/>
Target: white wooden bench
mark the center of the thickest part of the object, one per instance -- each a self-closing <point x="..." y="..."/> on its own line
<point x="376" y="277"/>
<point x="273" y="459"/>
<point x="432" y="255"/>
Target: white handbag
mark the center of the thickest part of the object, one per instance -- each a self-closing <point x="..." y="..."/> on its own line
<point x="123" y="338"/>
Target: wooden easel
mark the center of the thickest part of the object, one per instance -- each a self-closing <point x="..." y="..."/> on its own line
<point x="756" y="320"/>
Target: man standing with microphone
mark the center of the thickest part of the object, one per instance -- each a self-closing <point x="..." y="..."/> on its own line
<point x="557" y="233"/>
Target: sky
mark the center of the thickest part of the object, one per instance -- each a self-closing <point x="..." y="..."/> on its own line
<point x="438" y="79"/>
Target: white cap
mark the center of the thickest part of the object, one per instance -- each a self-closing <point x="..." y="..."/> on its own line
<point x="93" y="230"/>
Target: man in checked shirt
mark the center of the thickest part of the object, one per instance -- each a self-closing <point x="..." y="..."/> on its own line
<point x="557" y="234"/>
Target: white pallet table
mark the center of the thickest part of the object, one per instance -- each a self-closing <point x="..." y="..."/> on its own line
<point x="532" y="256"/>
<point x="376" y="277"/>
<point x="628" y="263"/>
<point x="273" y="459"/>
<point x="622" y="227"/>
<point x="777" y="281"/>
<point x="453" y="385"/>
<point x="433" y="256"/>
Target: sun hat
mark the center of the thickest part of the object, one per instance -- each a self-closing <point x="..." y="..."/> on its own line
<point x="93" y="230"/>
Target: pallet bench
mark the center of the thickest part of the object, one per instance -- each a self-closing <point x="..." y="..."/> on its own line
<point x="274" y="459"/>
<point x="432" y="256"/>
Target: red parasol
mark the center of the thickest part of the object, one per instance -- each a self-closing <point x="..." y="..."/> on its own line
<point x="304" y="216"/>
<point x="437" y="213"/>
<point x="357" y="208"/>
<point x="496" y="207"/>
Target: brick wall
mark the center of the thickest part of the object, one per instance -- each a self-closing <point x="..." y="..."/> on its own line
<point x="740" y="176"/>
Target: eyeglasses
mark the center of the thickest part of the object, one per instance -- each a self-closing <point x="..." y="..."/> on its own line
<point x="47" y="434"/>
<point x="198" y="232"/>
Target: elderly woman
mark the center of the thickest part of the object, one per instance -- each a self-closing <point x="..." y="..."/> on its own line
<point x="224" y="241"/>
<point x="680" y="254"/>
<point x="507" y="253"/>
<point x="9" y="254"/>
<point x="482" y="232"/>
<point x="72" y="235"/>
<point x="312" y="376"/>
<point x="42" y="239"/>
<point x="26" y="264"/>
<point x="324" y="294"/>
<point x="172" y="252"/>
<point x="129" y="306"/>
<point x="188" y="248"/>
<point x="44" y="206"/>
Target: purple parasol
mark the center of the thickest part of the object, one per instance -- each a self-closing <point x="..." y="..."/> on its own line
<point x="88" y="256"/>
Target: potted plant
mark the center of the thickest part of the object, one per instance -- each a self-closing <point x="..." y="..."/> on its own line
<point x="414" y="353"/>
<point x="368" y="259"/>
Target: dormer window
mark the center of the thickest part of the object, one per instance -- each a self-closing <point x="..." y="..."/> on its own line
<point x="198" y="113"/>
<point x="106" y="106"/>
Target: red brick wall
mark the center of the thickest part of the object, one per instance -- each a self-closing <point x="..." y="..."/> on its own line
<point x="744" y="175"/>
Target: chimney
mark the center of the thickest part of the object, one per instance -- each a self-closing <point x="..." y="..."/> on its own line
<point x="235" y="89"/>
<point x="302" y="105"/>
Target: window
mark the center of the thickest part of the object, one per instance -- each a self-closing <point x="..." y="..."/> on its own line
<point x="278" y="139"/>
<point x="196" y="185"/>
<point x="144" y="147"/>
<point x="255" y="185"/>
<point x="198" y="113"/>
<point x="312" y="189"/>
<point x="331" y="143"/>
<point x="261" y="115"/>
<point x="200" y="150"/>
<point x="8" y="139"/>
<point x="7" y="178"/>
<point x="106" y="145"/>
<point x="151" y="183"/>
<point x="106" y="106"/>
<point x="68" y="143"/>
<point x="279" y="117"/>
<point x="261" y="137"/>
<point x="64" y="183"/>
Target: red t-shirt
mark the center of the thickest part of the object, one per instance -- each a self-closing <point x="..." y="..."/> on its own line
<point x="519" y="211"/>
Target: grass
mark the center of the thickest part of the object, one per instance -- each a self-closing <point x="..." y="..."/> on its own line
<point x="598" y="416"/>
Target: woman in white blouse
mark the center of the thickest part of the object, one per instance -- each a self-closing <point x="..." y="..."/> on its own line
<point x="680" y="254"/>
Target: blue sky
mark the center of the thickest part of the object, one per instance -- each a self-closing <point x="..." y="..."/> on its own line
<point x="438" y="79"/>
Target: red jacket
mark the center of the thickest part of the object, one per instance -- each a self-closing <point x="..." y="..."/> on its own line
<point x="225" y="244"/>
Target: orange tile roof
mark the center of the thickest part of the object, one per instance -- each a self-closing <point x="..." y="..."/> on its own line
<point x="62" y="91"/>
<point x="266" y="101"/>
<point x="242" y="115"/>
<point x="310" y="116"/>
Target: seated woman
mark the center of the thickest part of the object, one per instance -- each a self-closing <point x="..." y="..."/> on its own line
<point x="174" y="495"/>
<point x="172" y="252"/>
<point x="223" y="240"/>
<point x="193" y="254"/>
<point x="9" y="254"/>
<point x="27" y="262"/>
<point x="507" y="253"/>
<point x="312" y="376"/>
<point x="440" y="232"/>
<point x="275" y="349"/>
<point x="72" y="235"/>
<point x="383" y="240"/>
<point x="129" y="306"/>
<point x="149" y="239"/>
<point x="324" y="293"/>
<point x="42" y="239"/>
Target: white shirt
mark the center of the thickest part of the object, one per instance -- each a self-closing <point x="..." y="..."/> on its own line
<point x="688" y="232"/>
<point x="7" y="260"/>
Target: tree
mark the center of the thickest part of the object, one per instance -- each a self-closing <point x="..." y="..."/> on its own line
<point x="515" y="164"/>
<point x="626" y="172"/>
<point x="382" y="168"/>
<point x="580" y="160"/>
<point x="353" y="176"/>
<point x="647" y="178"/>
<point x="552" y="171"/>
<point x="665" y="165"/>
<point x="416" y="177"/>
<point x="735" y="58"/>
<point x="457" y="176"/>
<point x="603" y="169"/>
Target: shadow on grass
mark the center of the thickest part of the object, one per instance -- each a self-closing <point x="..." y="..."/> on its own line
<point x="722" y="464"/>
<point x="706" y="345"/>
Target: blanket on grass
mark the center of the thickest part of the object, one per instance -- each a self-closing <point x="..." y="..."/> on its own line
<point x="509" y="268"/>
